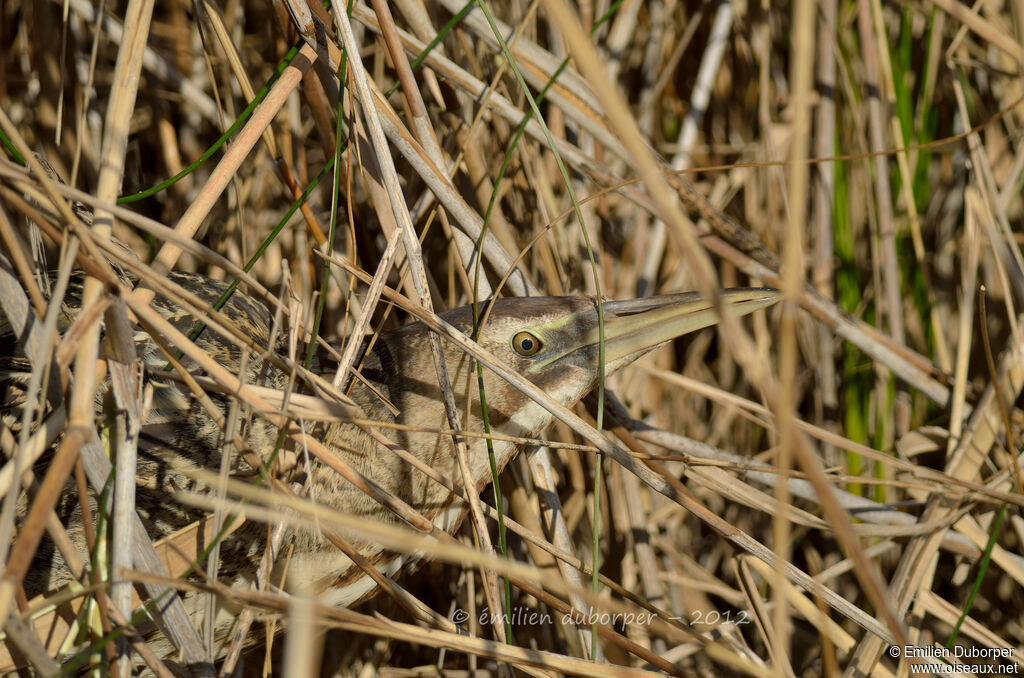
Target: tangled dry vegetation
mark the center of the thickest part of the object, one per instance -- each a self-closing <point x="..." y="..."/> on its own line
<point x="839" y="473"/>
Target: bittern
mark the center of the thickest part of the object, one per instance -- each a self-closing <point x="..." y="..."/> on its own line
<point x="551" y="341"/>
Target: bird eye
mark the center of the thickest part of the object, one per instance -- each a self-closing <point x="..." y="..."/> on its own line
<point x="525" y="343"/>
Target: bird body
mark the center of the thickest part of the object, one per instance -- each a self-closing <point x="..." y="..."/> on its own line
<point x="551" y="341"/>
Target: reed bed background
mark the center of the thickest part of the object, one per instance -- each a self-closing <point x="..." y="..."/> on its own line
<point x="844" y="469"/>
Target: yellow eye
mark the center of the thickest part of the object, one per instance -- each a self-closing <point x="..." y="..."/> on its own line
<point x="525" y="343"/>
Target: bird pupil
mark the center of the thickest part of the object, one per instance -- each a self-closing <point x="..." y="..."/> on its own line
<point x="527" y="343"/>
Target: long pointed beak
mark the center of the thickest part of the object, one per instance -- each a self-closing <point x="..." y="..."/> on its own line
<point x="634" y="326"/>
